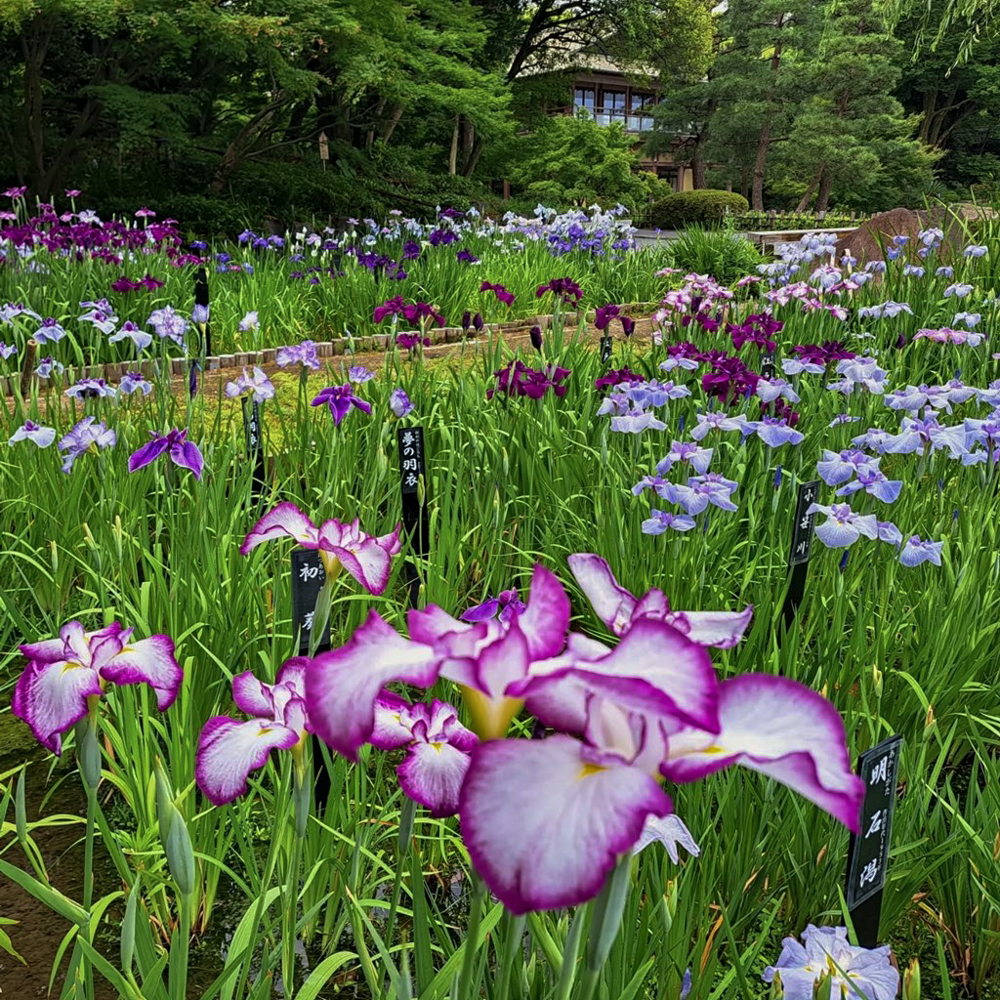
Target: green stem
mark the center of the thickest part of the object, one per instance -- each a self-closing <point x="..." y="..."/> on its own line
<point x="515" y="933"/>
<point x="472" y="937"/>
<point x="180" y="943"/>
<point x="88" y="886"/>
<point x="291" y="910"/>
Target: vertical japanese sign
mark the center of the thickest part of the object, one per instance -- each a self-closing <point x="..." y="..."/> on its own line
<point x="412" y="483"/>
<point x="767" y="368"/>
<point x="201" y="299"/>
<point x="605" y="349"/>
<point x="868" y="855"/>
<point x="308" y="577"/>
<point x="254" y="444"/>
<point x="798" y="557"/>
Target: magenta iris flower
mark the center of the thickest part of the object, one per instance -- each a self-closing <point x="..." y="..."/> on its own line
<point x="229" y="749"/>
<point x="604" y="314"/>
<point x="853" y="971"/>
<point x="619" y="609"/>
<point x="545" y="820"/>
<point x="173" y="444"/>
<point x="437" y="749"/>
<point x="408" y="341"/>
<point x="365" y="557"/>
<point x="65" y="677"/>
<point x="340" y="399"/>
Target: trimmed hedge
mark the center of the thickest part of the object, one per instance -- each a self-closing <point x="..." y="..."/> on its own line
<point x="704" y="208"/>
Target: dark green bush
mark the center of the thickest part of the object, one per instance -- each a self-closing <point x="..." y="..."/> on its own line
<point x="702" y="208"/>
<point x="724" y="255"/>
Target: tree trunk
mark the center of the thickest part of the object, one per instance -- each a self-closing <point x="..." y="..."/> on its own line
<point x="34" y="46"/>
<point x="698" y="169"/>
<point x="236" y="151"/>
<point x="473" y="161"/>
<point x="930" y="99"/>
<point x="759" y="163"/>
<point x="810" y="190"/>
<point x="397" y="114"/>
<point x="745" y="183"/>
<point x="825" y="187"/>
<point x="453" y="155"/>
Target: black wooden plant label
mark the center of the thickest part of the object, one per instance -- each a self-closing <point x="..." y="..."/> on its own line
<point x="606" y="343"/>
<point x="803" y="529"/>
<point x="767" y="368"/>
<point x="308" y="577"/>
<point x="868" y="854"/>
<point x="412" y="472"/>
<point x="201" y="299"/>
<point x="251" y="426"/>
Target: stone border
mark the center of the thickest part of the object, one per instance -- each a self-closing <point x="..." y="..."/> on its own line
<point x="378" y="343"/>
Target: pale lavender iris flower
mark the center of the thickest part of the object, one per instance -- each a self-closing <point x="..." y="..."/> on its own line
<point x="719" y="420"/>
<point x="30" y="431"/>
<point x="87" y="435"/>
<point x="258" y="385"/>
<point x="768" y="390"/>
<point x="249" y="322"/>
<point x="303" y="354"/>
<point x="843" y="527"/>
<point x="358" y="374"/>
<point x="775" y="432"/>
<point x="685" y="452"/>
<point x="174" y="445"/>
<point x="129" y="331"/>
<point x="660" y="521"/>
<point x="914" y="552"/>
<point x="65" y="677"/>
<point x="135" y="382"/>
<point x="168" y="324"/>
<point x="400" y="403"/>
<point x="854" y="972"/>
<point x="875" y="483"/>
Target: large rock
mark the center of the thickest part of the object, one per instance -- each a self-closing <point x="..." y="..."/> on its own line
<point x="867" y="241"/>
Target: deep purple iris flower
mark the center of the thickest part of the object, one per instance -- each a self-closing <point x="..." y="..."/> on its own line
<point x="565" y="288"/>
<point x="503" y="607"/>
<point x="408" y="341"/>
<point x="604" y="315"/>
<point x="466" y="257"/>
<point x="391" y="307"/>
<point x="517" y="379"/>
<point x="340" y="399"/>
<point x="616" y="377"/>
<point x="174" y="444"/>
<point x="499" y="291"/>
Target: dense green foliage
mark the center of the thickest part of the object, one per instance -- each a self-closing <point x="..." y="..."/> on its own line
<point x="702" y="207"/>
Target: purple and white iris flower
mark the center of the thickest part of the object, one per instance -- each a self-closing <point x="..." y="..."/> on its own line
<point x="340" y="399"/>
<point x="258" y="384"/>
<point x="719" y="420"/>
<point x="65" y="677"/>
<point x="135" y="382"/>
<point x="49" y="332"/>
<point x="88" y="387"/>
<point x="86" y="436"/>
<point x="168" y="325"/>
<point x="175" y="446"/>
<point x="852" y="971"/>
<point x="437" y="749"/>
<point x="365" y="557"/>
<point x="358" y="374"/>
<point x="768" y="390"/>
<point x="249" y="322"/>
<point x="129" y="331"/>
<point x="400" y="403"/>
<point x="38" y="435"/>
<point x="843" y="526"/>
<point x="229" y="749"/>
<point x="303" y="354"/>
<point x="619" y="609"/>
<point x="546" y="820"/>
<point x="924" y="435"/>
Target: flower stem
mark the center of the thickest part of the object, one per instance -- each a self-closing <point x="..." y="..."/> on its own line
<point x="291" y="910"/>
<point x="472" y="937"/>
<point x="88" y="885"/>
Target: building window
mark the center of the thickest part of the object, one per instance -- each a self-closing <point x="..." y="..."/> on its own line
<point x="583" y="97"/>
<point x="670" y="174"/>
<point x="613" y="105"/>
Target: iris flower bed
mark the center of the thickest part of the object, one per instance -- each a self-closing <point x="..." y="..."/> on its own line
<point x="571" y="746"/>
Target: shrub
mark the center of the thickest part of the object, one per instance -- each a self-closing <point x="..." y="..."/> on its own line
<point x="724" y="255"/>
<point x="704" y="208"/>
